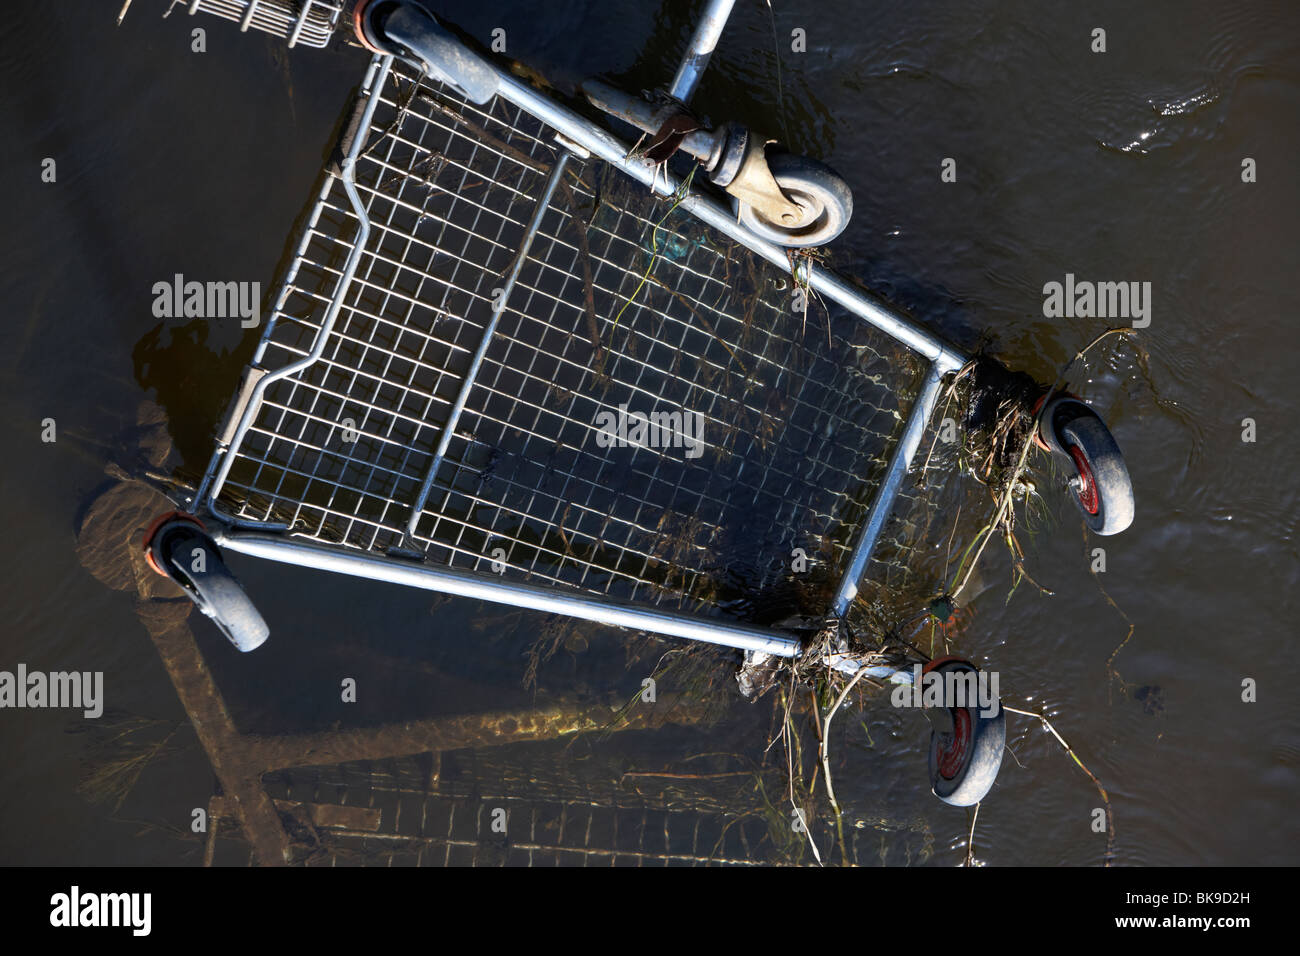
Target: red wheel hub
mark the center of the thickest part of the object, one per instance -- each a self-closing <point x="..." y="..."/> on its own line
<point x="359" y="13"/>
<point x="156" y="526"/>
<point x="1038" y="407"/>
<point x="953" y="756"/>
<point x="1087" y="487"/>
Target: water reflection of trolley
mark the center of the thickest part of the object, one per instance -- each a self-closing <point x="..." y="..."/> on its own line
<point x="520" y="359"/>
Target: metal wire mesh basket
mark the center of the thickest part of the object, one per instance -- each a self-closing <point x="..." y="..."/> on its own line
<point x="622" y="302"/>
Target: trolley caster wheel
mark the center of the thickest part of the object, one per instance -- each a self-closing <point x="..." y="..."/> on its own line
<point x="824" y="198"/>
<point x="965" y="762"/>
<point x="406" y="28"/>
<point x="1052" y="413"/>
<point x="178" y="547"/>
<point x="1101" y="486"/>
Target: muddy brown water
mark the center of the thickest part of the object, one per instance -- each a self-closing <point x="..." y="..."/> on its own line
<point x="1122" y="166"/>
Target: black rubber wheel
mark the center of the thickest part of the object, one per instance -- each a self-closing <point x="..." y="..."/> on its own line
<point x="1101" y="485"/>
<point x="824" y="198"/>
<point x="964" y="762"/>
<point x="209" y="583"/>
<point x="1056" y="413"/>
<point x="407" y="29"/>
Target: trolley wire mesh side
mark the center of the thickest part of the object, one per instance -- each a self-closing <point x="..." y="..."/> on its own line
<point x="309" y="23"/>
<point x="624" y="306"/>
<point x="336" y="451"/>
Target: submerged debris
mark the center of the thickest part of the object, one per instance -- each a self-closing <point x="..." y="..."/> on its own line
<point x="998" y="417"/>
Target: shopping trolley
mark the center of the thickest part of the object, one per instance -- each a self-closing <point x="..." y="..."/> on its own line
<point x="518" y="358"/>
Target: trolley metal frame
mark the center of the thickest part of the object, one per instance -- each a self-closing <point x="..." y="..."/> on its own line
<point x="578" y="137"/>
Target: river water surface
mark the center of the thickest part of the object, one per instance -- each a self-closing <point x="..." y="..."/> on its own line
<point x="1116" y="166"/>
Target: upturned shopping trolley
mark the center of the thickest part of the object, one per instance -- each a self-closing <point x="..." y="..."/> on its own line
<point x="518" y="358"/>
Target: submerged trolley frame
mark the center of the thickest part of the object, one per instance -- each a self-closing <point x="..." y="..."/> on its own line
<point x="577" y="137"/>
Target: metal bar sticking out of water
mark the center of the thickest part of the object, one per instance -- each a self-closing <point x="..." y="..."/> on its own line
<point x="703" y="43"/>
